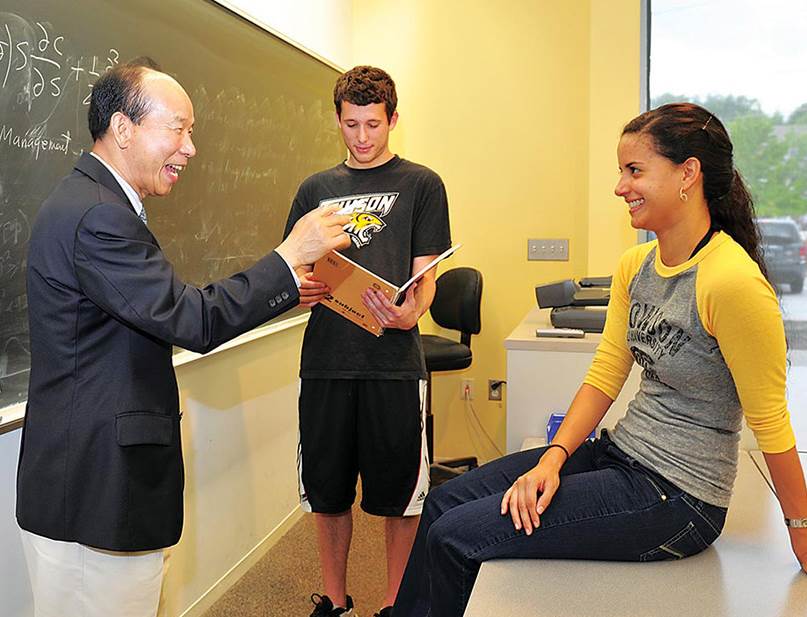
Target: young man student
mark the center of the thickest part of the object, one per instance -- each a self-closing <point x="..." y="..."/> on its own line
<point x="361" y="397"/>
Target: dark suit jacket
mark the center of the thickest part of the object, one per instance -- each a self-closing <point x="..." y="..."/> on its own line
<point x="101" y="459"/>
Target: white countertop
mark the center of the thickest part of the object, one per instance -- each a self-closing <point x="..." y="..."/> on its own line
<point x="523" y="336"/>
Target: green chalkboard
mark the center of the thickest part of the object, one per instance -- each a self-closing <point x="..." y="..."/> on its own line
<point x="264" y="121"/>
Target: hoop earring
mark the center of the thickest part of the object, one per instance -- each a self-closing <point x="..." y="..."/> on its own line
<point x="681" y="195"/>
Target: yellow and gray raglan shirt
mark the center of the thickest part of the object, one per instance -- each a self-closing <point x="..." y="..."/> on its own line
<point x="709" y="337"/>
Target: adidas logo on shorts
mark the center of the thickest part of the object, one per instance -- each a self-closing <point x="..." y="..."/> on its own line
<point x="422" y="496"/>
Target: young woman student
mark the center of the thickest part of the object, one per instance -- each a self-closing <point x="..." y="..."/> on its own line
<point x="695" y="310"/>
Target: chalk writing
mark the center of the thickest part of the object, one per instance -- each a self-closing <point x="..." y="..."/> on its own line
<point x="34" y="140"/>
<point x="39" y="54"/>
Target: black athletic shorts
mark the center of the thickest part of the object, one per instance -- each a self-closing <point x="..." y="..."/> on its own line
<point x="375" y="428"/>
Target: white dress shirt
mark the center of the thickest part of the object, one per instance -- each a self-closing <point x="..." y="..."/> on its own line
<point x="134" y="198"/>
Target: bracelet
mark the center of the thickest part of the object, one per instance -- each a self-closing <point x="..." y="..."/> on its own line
<point x="798" y="523"/>
<point x="557" y="445"/>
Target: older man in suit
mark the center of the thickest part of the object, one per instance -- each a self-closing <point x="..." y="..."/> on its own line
<point x="101" y="476"/>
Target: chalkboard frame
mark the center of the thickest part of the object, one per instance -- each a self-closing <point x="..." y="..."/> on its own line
<point x="12" y="416"/>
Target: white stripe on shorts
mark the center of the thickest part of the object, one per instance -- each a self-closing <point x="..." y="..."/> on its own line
<point x="415" y="506"/>
<point x="304" y="503"/>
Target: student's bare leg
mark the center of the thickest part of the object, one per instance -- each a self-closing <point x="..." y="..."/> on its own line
<point x="400" y="535"/>
<point x="334" y="532"/>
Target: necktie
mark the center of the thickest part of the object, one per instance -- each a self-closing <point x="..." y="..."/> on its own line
<point x="142" y="215"/>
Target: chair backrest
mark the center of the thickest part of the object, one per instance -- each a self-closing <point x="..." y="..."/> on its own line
<point x="456" y="304"/>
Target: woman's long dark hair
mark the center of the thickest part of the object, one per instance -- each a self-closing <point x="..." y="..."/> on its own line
<point x="683" y="130"/>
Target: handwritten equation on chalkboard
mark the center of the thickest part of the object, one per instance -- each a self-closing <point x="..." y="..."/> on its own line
<point x="45" y="87"/>
<point x="34" y="65"/>
<point x="47" y="63"/>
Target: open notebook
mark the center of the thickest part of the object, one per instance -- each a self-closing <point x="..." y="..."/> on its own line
<point x="348" y="280"/>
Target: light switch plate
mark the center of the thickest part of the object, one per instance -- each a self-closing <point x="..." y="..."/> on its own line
<point x="548" y="249"/>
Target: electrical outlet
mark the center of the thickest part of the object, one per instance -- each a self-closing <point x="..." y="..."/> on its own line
<point x="495" y="389"/>
<point x="548" y="249"/>
<point x="467" y="389"/>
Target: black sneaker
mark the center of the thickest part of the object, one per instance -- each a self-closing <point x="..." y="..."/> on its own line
<point x="384" y="612"/>
<point x="323" y="607"/>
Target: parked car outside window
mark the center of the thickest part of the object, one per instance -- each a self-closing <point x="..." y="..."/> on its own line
<point x="784" y="252"/>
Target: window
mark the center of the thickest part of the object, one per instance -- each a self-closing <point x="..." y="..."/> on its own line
<point x="746" y="61"/>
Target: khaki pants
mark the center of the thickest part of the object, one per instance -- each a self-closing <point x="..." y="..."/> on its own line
<point x="73" y="580"/>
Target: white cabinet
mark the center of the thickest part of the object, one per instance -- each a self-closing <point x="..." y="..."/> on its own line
<point x="543" y="375"/>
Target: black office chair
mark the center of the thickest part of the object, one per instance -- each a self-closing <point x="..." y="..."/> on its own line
<point x="456" y="307"/>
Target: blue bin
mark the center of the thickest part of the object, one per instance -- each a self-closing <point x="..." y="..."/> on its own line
<point x="554" y="423"/>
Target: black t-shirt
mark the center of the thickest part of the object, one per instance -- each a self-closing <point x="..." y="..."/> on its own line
<point x="404" y="215"/>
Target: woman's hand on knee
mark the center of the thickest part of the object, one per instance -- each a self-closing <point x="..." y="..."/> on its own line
<point x="522" y="501"/>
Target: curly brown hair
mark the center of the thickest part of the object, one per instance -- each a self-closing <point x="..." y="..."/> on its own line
<point x="364" y="85"/>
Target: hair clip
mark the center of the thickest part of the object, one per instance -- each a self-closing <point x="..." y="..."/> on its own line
<point x="705" y="124"/>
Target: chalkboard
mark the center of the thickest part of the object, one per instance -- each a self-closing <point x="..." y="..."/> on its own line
<point x="264" y="121"/>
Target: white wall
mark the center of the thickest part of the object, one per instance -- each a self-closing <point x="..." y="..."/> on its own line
<point x="239" y="433"/>
<point x="240" y="423"/>
<point x="322" y="26"/>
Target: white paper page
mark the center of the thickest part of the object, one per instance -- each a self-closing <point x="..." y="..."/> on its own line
<point x="402" y="289"/>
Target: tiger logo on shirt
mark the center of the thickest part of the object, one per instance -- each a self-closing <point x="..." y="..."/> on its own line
<point x="363" y="226"/>
<point x="367" y="214"/>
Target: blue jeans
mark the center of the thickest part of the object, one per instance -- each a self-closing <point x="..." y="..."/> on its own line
<point x="608" y="507"/>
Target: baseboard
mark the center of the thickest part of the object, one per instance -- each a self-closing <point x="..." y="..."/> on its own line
<point x="234" y="574"/>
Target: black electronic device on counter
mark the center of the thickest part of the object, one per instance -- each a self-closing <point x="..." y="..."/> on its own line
<point x="591" y="296"/>
<point x="593" y="291"/>
<point x="596" y="281"/>
<point x="557" y="293"/>
<point x="585" y="318"/>
<point x="576" y="304"/>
